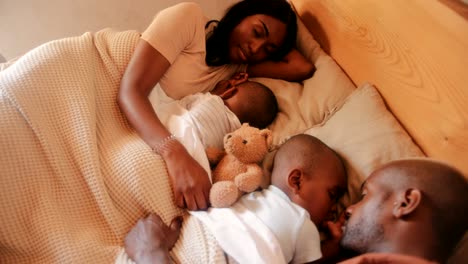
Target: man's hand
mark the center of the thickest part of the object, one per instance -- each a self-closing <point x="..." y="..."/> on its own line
<point x="386" y="258"/>
<point x="150" y="239"/>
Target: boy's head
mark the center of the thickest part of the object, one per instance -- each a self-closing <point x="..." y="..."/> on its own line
<point x="251" y="102"/>
<point x="311" y="174"/>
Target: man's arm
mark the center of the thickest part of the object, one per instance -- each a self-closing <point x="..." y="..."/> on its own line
<point x="386" y="258"/>
<point x="150" y="240"/>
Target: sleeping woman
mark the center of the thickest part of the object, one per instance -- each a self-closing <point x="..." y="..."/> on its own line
<point x="186" y="53"/>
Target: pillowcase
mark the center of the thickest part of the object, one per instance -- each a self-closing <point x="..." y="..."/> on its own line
<point x="366" y="134"/>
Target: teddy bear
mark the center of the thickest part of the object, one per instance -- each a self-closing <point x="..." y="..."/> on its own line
<point x="237" y="169"/>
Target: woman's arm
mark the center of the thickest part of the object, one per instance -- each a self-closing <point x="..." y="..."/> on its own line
<point x="293" y="67"/>
<point x="143" y="72"/>
<point x="189" y="180"/>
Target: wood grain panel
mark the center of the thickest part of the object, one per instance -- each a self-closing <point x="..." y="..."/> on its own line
<point x="415" y="52"/>
<point x="459" y="6"/>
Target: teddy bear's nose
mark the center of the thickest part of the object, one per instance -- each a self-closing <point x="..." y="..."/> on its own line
<point x="244" y="141"/>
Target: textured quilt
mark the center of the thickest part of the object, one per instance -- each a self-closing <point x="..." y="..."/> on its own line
<point x="74" y="176"/>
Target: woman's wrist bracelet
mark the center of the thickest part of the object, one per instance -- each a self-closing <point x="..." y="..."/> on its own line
<point x="164" y="144"/>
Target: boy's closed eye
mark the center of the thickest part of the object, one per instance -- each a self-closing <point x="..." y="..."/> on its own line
<point x="335" y="194"/>
<point x="332" y="195"/>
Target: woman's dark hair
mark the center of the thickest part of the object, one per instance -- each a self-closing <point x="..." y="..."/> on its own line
<point x="217" y="42"/>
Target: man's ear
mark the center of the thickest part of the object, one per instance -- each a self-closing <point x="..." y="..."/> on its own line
<point x="294" y="180"/>
<point x="406" y="202"/>
<point x="229" y="93"/>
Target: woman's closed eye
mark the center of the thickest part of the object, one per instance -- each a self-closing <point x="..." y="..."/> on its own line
<point x="270" y="49"/>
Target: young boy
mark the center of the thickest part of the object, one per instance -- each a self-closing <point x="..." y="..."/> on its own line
<point x="275" y="225"/>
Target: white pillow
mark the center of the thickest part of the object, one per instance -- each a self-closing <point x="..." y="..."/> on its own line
<point x="366" y="134"/>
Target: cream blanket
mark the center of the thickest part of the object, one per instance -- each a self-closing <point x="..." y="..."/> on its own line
<point x="74" y="176"/>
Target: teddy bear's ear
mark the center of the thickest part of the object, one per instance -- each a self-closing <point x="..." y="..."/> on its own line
<point x="268" y="136"/>
<point x="245" y="124"/>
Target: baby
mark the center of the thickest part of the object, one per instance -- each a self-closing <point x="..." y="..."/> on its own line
<point x="201" y="120"/>
<point x="274" y="225"/>
<point x="223" y="110"/>
<point x="252" y="102"/>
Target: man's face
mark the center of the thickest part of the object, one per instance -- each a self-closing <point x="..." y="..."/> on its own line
<point x="364" y="227"/>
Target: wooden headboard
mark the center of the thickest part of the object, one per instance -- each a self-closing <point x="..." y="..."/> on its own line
<point x="415" y="52"/>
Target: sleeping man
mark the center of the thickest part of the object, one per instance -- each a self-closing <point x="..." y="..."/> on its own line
<point x="412" y="207"/>
<point x="412" y="211"/>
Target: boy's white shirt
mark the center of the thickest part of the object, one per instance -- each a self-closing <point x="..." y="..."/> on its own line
<point x="198" y="121"/>
<point x="264" y="227"/>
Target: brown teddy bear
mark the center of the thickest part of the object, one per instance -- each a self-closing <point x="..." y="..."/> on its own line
<point x="237" y="171"/>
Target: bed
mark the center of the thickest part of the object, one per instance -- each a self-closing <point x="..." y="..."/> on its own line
<point x="76" y="177"/>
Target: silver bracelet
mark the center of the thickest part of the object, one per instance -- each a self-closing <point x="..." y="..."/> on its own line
<point x="163" y="144"/>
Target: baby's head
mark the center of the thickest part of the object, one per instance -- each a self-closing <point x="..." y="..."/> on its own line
<point x="311" y="174"/>
<point x="251" y="102"/>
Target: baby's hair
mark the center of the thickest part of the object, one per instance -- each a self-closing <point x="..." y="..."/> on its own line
<point x="265" y="107"/>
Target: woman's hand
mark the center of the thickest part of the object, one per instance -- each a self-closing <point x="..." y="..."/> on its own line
<point x="150" y="239"/>
<point x="190" y="181"/>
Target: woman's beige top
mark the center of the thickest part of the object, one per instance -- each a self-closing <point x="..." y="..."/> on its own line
<point x="178" y="33"/>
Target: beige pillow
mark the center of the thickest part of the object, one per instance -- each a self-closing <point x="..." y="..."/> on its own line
<point x="305" y="104"/>
<point x="366" y="134"/>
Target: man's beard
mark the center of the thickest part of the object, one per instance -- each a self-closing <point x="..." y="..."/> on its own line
<point x="362" y="235"/>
